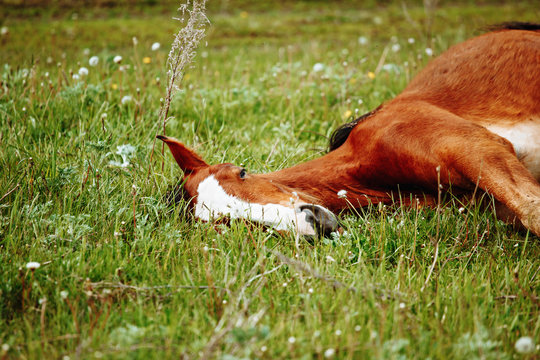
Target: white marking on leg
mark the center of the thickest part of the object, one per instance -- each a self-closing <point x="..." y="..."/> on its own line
<point x="213" y="201"/>
<point x="525" y="137"/>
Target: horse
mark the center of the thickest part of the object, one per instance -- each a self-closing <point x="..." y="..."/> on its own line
<point x="469" y="120"/>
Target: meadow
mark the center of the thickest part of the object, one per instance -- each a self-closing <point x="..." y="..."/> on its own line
<point x="94" y="262"/>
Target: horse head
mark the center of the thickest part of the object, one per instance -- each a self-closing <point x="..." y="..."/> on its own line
<point x="229" y="190"/>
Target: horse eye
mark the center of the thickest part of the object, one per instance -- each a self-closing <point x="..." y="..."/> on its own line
<point x="243" y="174"/>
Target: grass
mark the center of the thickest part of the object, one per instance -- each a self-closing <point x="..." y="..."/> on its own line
<point x="123" y="275"/>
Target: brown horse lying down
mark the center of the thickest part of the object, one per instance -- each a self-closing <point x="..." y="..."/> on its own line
<point x="470" y="119"/>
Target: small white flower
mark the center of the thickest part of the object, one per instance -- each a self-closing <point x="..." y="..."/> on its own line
<point x="86" y="51"/>
<point x="42" y="300"/>
<point x="126" y="99"/>
<point x="402" y="305"/>
<point x="292" y="340"/>
<point x="156" y="46"/>
<point x="117" y="59"/>
<point x="330" y="259"/>
<point x="285" y="284"/>
<point x="224" y="302"/>
<point x="64" y="294"/>
<point x="76" y="77"/>
<point x="310" y="290"/>
<point x="4" y="30"/>
<point x="524" y="345"/>
<point x="318" y="67"/>
<point x="32" y="265"/>
<point x="411" y="40"/>
<point x="117" y="233"/>
<point x="264" y="348"/>
<point x="329" y="353"/>
<point x="83" y="71"/>
<point x="94" y="60"/>
<point x="362" y="40"/>
<point x="461" y="209"/>
<point x="357" y="328"/>
<point x="396" y="47"/>
<point x="205" y="248"/>
<point x="429" y="52"/>
<point x="135" y="40"/>
<point x="5" y="347"/>
<point x="338" y="332"/>
<point x="342" y="194"/>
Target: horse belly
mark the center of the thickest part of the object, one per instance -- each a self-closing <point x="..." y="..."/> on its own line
<point x="525" y="137"/>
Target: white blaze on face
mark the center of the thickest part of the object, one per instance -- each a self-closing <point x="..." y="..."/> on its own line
<point x="213" y="201"/>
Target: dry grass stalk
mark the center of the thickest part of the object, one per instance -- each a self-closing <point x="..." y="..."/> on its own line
<point x="182" y="52"/>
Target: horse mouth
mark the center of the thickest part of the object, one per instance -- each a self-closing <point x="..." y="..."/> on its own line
<point x="315" y="220"/>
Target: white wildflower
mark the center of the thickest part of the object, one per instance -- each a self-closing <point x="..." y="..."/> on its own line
<point x="338" y="332"/>
<point x="402" y="305"/>
<point x="330" y="259"/>
<point x="357" y="328"/>
<point x="264" y="348"/>
<point x="396" y="47"/>
<point x="86" y="51"/>
<point x="135" y="41"/>
<point x="156" y="46"/>
<point x="4" y="30"/>
<point x="524" y="345"/>
<point x="362" y="40"/>
<point x="429" y="52"/>
<point x="318" y="67"/>
<point x="32" y="265"/>
<point x="310" y="290"/>
<point x="117" y="59"/>
<point x="94" y="60"/>
<point x="410" y="40"/>
<point x="126" y="99"/>
<point x="292" y="340"/>
<point x="461" y="209"/>
<point x="329" y="353"/>
<point x="5" y="347"/>
<point x="127" y="152"/>
<point x="83" y="71"/>
<point x="342" y="194"/>
<point x="316" y="334"/>
<point x="64" y="294"/>
<point x="76" y="77"/>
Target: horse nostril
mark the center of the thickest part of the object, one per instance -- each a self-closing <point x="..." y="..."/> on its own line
<point x="321" y="219"/>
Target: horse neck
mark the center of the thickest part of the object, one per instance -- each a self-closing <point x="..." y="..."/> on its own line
<point x="322" y="178"/>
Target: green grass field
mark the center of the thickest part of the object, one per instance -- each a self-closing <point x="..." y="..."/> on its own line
<point x="124" y="275"/>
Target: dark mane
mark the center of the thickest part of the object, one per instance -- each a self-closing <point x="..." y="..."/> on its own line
<point x="340" y="135"/>
<point x="514" y="25"/>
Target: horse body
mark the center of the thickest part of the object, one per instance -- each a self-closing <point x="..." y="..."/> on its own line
<point x="470" y="119"/>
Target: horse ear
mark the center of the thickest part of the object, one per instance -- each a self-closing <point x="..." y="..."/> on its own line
<point x="187" y="159"/>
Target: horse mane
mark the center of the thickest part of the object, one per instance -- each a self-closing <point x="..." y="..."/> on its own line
<point x="340" y="135"/>
<point x="514" y="25"/>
